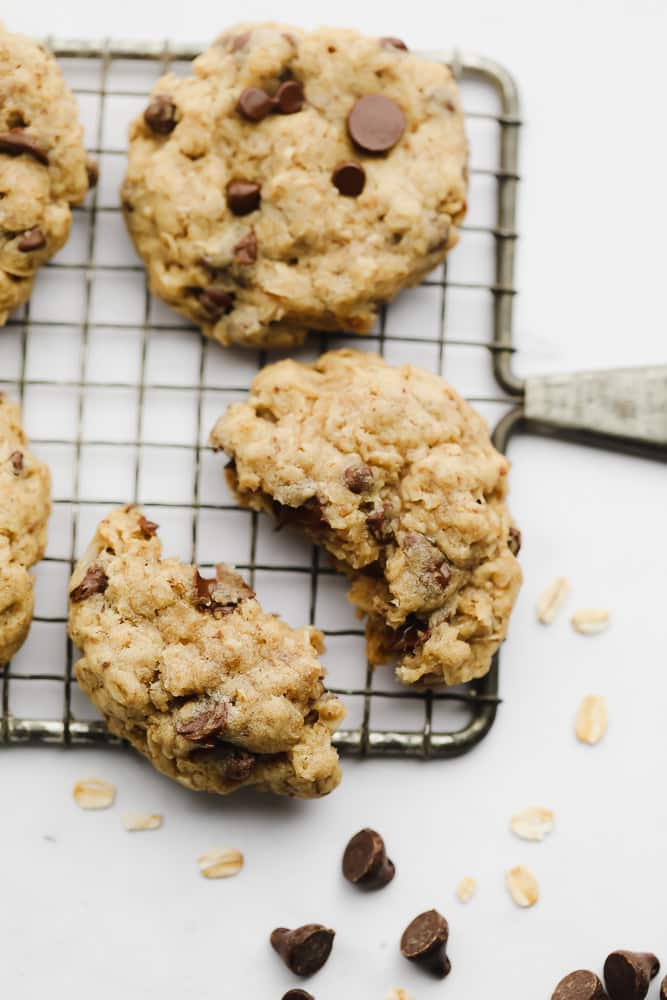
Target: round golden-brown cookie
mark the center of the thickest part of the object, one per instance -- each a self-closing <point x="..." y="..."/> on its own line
<point x="42" y="164"/>
<point x="25" y="504"/>
<point x="296" y="180"/>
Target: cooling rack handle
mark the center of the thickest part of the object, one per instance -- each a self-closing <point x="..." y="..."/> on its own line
<point x="626" y="407"/>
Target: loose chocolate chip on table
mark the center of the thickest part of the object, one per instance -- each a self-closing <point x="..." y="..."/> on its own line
<point x="579" y="985"/>
<point x="358" y="478"/>
<point x="148" y="528"/>
<point x="208" y="719"/>
<point x="32" y="239"/>
<point x="298" y="995"/>
<point x="393" y="43"/>
<point x="245" y="251"/>
<point x="160" y="115"/>
<point x="375" y="123"/>
<point x="17" y="141"/>
<point x="289" y="97"/>
<point x="254" y="104"/>
<point x="243" y="197"/>
<point x="93" y="171"/>
<point x="349" y="178"/>
<point x="627" y="974"/>
<point x="94" y="582"/>
<point x="305" y="949"/>
<point x="365" y="861"/>
<point x="217" y="301"/>
<point x="424" y="942"/>
<point x="514" y="541"/>
<point x="16" y="458"/>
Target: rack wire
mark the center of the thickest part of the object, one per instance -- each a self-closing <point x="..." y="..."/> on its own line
<point x="93" y="344"/>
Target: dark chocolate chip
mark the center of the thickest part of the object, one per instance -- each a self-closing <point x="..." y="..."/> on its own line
<point x="410" y="635"/>
<point x="289" y="97"/>
<point x="305" y="949"/>
<point x="393" y="43"/>
<point x="627" y="974"/>
<point x="160" y="115"/>
<point x="514" y="541"/>
<point x="349" y="178"/>
<point x="309" y="516"/>
<point x="298" y="995"/>
<point x="239" y="764"/>
<point x="223" y="592"/>
<point x="17" y="141"/>
<point x="148" y="528"/>
<point x="245" y="251"/>
<point x="93" y="171"/>
<point x="240" y="41"/>
<point x="358" y="478"/>
<point x="443" y="574"/>
<point x="378" y="523"/>
<point x="217" y="301"/>
<point x="365" y="861"/>
<point x="254" y="104"/>
<point x="424" y="942"/>
<point x="580" y="985"/>
<point x="663" y="989"/>
<point x="375" y="123"/>
<point x="243" y="197"/>
<point x="16" y="458"/>
<point x="32" y="239"/>
<point x="208" y="719"/>
<point x="94" y="582"/>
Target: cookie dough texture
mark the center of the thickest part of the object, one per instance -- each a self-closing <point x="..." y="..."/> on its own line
<point x="25" y="486"/>
<point x="395" y="475"/>
<point x="320" y="259"/>
<point x="42" y="164"/>
<point x="215" y="692"/>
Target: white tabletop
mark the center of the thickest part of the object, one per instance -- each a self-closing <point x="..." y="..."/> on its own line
<point x="88" y="909"/>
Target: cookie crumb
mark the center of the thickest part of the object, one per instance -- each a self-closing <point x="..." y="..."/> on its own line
<point x="141" y="821"/>
<point x="552" y="599"/>
<point x="533" y="823"/>
<point x="220" y="862"/>
<point x="465" y="890"/>
<point x="94" y="793"/>
<point x="522" y="886"/>
<point x="591" y="721"/>
<point x="590" y="621"/>
<point x="399" y="994"/>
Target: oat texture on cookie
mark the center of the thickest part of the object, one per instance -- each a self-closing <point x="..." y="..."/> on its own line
<point x="214" y="691"/>
<point x="296" y="179"/>
<point x="25" y="488"/>
<point x="42" y="164"/>
<point x="392" y="472"/>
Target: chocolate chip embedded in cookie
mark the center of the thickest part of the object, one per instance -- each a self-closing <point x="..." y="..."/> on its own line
<point x="392" y="472"/>
<point x="24" y="510"/>
<point x="42" y="164"/>
<point x="344" y="148"/>
<point x="188" y="668"/>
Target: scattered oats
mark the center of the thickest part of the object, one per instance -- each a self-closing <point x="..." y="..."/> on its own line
<point x="552" y="599"/>
<point x="533" y="823"/>
<point x="141" y="821"/>
<point x="221" y="862"/>
<point x="399" y="994"/>
<point x="591" y="722"/>
<point x="590" y="621"/>
<point x="465" y="890"/>
<point x="94" y="793"/>
<point x="522" y="886"/>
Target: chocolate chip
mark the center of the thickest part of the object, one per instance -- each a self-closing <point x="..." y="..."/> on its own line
<point x="358" y="478"/>
<point x="309" y="515"/>
<point x="410" y="635"/>
<point x="16" y="458"/>
<point x="349" y="178"/>
<point x="254" y="104"/>
<point x="245" y="251"/>
<point x="580" y="985"/>
<point x="160" y="115"/>
<point x="223" y="592"/>
<point x="443" y="574"/>
<point x="305" y="949"/>
<point x="239" y="764"/>
<point x="208" y="719"/>
<point x="365" y="861"/>
<point x="378" y="523"/>
<point x="32" y="239"/>
<point x="375" y="123"/>
<point x="289" y="37"/>
<point x="289" y="97"/>
<point x="93" y="171"/>
<point x="514" y="542"/>
<point x="663" y="989"/>
<point x="215" y="300"/>
<point x="17" y="141"/>
<point x="94" y="582"/>
<point x="148" y="528"/>
<point x="393" y="43"/>
<point x="424" y="942"/>
<point x="243" y="197"/>
<point x="627" y="974"/>
<point x="298" y="995"/>
<point x="240" y="41"/>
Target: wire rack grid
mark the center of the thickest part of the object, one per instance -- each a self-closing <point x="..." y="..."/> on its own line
<point x="119" y="395"/>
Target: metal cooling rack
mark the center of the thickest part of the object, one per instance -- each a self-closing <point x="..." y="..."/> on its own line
<point x="96" y="467"/>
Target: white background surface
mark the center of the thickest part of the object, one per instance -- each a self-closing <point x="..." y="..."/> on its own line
<point x="86" y="908"/>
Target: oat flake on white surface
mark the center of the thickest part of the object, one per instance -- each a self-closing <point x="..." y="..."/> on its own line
<point x="590" y="621"/>
<point x="465" y="890"/>
<point x="94" y="793"/>
<point x="141" y="821"/>
<point x="522" y="886"/>
<point x="399" y="994"/>
<point x="552" y="599"/>
<point x="532" y="823"/>
<point x="220" y="862"/>
<point x="591" y="721"/>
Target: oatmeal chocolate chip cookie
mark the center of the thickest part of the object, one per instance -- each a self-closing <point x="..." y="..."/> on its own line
<point x="395" y="475"/>
<point x="296" y="180"/>
<point x="42" y="164"/>
<point x="25" y="504"/>
<point x="214" y="691"/>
